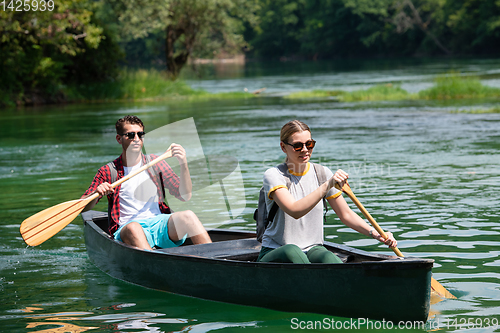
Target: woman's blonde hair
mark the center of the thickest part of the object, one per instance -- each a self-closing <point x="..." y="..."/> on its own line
<point x="291" y="128"/>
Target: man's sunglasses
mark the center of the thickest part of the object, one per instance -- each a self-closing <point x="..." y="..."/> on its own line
<point x="298" y="145"/>
<point x="131" y="135"/>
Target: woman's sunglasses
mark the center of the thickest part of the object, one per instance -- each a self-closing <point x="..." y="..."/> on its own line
<point x="298" y="145"/>
<point x="131" y="135"/>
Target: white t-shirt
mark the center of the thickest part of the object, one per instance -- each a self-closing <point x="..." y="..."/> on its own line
<point x="138" y="196"/>
<point x="306" y="231"/>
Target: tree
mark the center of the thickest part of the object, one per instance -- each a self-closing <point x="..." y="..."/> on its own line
<point x="279" y="28"/>
<point x="403" y="15"/>
<point x="408" y="16"/>
<point x="36" y="46"/>
<point x="474" y="25"/>
<point x="331" y="29"/>
<point x="190" y="27"/>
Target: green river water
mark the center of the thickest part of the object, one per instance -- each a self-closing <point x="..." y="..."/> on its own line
<point x="425" y="172"/>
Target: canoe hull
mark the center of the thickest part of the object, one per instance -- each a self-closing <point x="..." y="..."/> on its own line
<point x="355" y="290"/>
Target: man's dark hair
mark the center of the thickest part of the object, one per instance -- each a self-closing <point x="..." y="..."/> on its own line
<point x="127" y="120"/>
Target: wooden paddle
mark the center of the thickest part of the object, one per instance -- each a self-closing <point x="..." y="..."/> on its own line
<point x="45" y="224"/>
<point x="435" y="285"/>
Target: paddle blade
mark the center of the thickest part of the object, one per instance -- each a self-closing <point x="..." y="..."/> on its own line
<point x="439" y="289"/>
<point x="45" y="224"/>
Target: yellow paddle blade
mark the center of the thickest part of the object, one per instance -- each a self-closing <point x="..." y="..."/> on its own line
<point x="45" y="224"/>
<point x="439" y="289"/>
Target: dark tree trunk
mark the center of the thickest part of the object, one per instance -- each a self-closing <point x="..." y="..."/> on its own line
<point x="177" y="60"/>
<point x="173" y="68"/>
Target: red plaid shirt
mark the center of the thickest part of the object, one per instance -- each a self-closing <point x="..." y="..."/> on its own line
<point x="170" y="181"/>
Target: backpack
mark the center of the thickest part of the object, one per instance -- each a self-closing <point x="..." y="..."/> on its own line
<point x="262" y="219"/>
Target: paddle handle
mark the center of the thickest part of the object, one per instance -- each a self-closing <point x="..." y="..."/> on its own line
<point x="347" y="189"/>
<point x="166" y="155"/>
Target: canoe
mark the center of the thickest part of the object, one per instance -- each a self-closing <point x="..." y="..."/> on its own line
<point x="366" y="285"/>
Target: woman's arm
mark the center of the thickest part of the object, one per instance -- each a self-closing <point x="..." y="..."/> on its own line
<point x="299" y="208"/>
<point x="355" y="222"/>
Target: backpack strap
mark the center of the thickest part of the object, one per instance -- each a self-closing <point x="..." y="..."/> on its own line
<point x="113" y="171"/>
<point x="321" y="175"/>
<point x="114" y="176"/>
<point x="158" y="175"/>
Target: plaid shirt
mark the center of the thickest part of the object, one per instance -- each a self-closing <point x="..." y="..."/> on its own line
<point x="169" y="178"/>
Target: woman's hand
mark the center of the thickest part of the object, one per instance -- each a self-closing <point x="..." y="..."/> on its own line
<point x="390" y="241"/>
<point x="340" y="177"/>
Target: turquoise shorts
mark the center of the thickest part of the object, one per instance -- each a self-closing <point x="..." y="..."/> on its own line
<point x="156" y="231"/>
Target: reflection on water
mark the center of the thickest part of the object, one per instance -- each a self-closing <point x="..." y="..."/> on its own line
<point x="52" y="322"/>
<point x="143" y="321"/>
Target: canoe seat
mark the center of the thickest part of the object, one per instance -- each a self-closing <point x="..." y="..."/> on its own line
<point x="238" y="249"/>
<point x="247" y="249"/>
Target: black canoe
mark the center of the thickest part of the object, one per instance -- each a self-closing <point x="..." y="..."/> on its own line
<point x="366" y="285"/>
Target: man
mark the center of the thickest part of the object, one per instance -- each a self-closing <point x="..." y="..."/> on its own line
<point x="138" y="213"/>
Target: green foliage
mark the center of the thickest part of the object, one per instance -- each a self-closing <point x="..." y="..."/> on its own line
<point x="204" y="29"/>
<point x="323" y="94"/>
<point x="279" y="29"/>
<point x="474" y="25"/>
<point x="188" y="27"/>
<point x="141" y="85"/>
<point x="333" y="28"/>
<point x="454" y="86"/>
<point x="479" y="111"/>
<point x="369" y="7"/>
<point x="130" y="84"/>
<point x="385" y="92"/>
<point x="37" y="48"/>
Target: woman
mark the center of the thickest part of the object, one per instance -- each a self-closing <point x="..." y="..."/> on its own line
<point x="296" y="233"/>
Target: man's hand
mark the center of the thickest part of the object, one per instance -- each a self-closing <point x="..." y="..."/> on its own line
<point x="179" y="152"/>
<point x="104" y="189"/>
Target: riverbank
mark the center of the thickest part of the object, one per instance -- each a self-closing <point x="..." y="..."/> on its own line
<point x="144" y="85"/>
<point x="131" y="85"/>
<point x="153" y="85"/>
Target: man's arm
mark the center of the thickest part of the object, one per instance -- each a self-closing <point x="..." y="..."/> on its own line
<point x="185" y="184"/>
<point x="101" y="185"/>
<point x="103" y="189"/>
